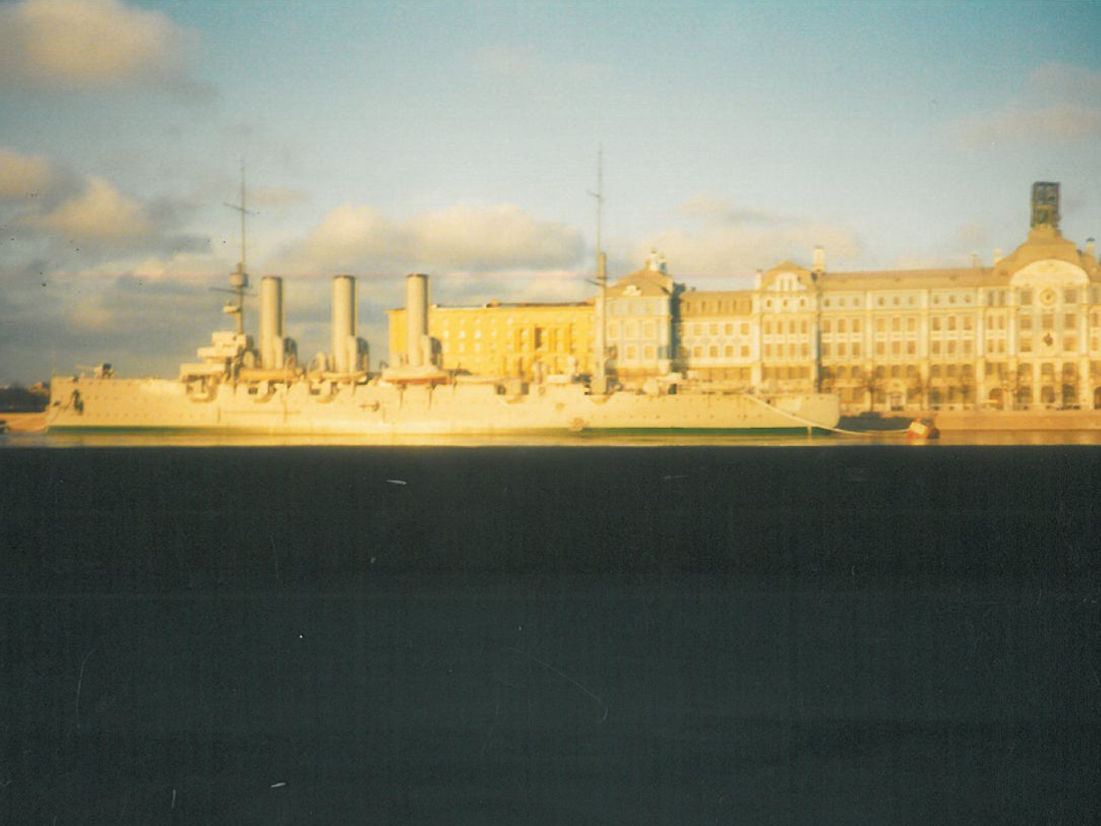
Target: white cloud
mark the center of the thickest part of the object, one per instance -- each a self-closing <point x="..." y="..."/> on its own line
<point x="22" y="176"/>
<point x="1059" y="103"/>
<point x="459" y="238"/>
<point x="100" y="212"/>
<point x="78" y="44"/>
<point x="730" y="241"/>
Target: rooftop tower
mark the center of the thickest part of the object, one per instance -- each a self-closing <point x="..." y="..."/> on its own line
<point x="1045" y="205"/>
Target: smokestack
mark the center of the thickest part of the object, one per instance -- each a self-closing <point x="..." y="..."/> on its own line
<point x="819" y="259"/>
<point x="416" y="311"/>
<point x="344" y="324"/>
<point x="271" y="322"/>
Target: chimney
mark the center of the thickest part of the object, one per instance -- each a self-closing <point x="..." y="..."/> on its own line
<point x="344" y="324"/>
<point x="271" y="322"/>
<point x="416" y="311"/>
<point x="819" y="265"/>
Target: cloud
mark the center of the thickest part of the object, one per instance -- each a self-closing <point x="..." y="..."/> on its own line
<point x="100" y="212"/>
<point x="71" y="223"/>
<point x="728" y="241"/>
<point x="77" y="45"/>
<point x="274" y="197"/>
<point x="494" y="238"/>
<point x="472" y="289"/>
<point x="710" y="208"/>
<point x="1059" y="103"/>
<point x="22" y="176"/>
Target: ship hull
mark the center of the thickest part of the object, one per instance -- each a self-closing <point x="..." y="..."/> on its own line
<point x="378" y="409"/>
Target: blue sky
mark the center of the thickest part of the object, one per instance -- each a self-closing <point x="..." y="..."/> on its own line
<point x="460" y="139"/>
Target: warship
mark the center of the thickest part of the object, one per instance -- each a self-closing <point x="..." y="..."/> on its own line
<point x="258" y="386"/>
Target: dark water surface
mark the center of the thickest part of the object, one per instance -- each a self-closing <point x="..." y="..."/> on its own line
<point x="541" y="635"/>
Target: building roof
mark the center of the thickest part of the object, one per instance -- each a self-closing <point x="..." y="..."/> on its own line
<point x="1043" y="243"/>
<point x="907" y="279"/>
<point x="646" y="282"/>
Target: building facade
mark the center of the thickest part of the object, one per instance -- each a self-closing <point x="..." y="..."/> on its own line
<point x="1022" y="333"/>
<point x="640" y="323"/>
<point x="527" y="341"/>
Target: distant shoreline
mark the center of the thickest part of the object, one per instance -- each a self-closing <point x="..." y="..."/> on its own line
<point x="23" y="422"/>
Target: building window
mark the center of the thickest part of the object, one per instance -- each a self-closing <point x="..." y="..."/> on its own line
<point x="1024" y="323"/>
<point x="1026" y="298"/>
<point x="911" y="348"/>
<point x="1070" y="295"/>
<point x="856" y="349"/>
<point x="1070" y="343"/>
<point x="1047" y="321"/>
<point x="713" y="351"/>
<point x="936" y="322"/>
<point x="745" y="351"/>
<point x="648" y="352"/>
<point x="935" y="349"/>
<point x="826" y="326"/>
<point x="631" y="352"/>
<point x="729" y="351"/>
<point x="1026" y="345"/>
<point x="1070" y="321"/>
<point x="856" y="325"/>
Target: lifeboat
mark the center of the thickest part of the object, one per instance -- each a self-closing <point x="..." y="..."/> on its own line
<point x="922" y="429"/>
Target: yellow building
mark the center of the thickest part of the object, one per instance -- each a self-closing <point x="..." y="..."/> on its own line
<point x="529" y="341"/>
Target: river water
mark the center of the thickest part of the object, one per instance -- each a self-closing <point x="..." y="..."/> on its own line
<point x="788" y="631"/>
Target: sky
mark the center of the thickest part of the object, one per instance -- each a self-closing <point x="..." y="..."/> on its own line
<point x="461" y="139"/>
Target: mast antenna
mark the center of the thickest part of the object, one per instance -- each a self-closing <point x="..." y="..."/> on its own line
<point x="600" y="380"/>
<point x="238" y="280"/>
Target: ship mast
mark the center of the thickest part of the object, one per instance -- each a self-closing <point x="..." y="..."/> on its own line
<point x="599" y="384"/>
<point x="238" y="279"/>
